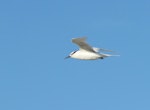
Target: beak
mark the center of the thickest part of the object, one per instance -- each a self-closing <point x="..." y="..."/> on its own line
<point x="67" y="57"/>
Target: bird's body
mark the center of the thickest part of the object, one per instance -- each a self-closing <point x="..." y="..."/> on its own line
<point x="85" y="55"/>
<point x="86" y="52"/>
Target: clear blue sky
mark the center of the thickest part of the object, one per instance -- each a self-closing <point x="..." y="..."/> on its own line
<point x="35" y="36"/>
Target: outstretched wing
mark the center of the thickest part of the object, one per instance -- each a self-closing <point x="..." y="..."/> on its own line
<point x="81" y="42"/>
<point x="101" y="50"/>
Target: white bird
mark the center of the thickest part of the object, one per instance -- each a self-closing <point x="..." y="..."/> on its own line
<point x="86" y="52"/>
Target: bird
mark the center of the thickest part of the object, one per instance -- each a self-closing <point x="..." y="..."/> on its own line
<point x="86" y="52"/>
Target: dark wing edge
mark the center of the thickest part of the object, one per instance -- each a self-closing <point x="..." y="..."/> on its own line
<point x="81" y="42"/>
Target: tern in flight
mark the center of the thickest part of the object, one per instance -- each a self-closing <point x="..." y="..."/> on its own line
<point x="86" y="52"/>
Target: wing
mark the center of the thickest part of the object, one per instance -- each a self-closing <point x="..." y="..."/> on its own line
<point x="101" y="50"/>
<point x="81" y="42"/>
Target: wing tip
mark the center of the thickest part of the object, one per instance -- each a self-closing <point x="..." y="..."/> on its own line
<point x="79" y="38"/>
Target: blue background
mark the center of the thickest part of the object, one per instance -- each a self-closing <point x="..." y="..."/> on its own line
<point x="35" y="36"/>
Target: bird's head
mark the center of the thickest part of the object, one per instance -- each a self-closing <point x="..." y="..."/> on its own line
<point x="70" y="54"/>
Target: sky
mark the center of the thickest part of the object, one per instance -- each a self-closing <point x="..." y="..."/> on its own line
<point x="35" y="36"/>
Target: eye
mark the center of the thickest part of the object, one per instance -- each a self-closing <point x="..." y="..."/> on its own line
<point x="73" y="52"/>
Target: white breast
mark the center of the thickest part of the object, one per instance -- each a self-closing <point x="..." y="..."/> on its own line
<point x="85" y="55"/>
